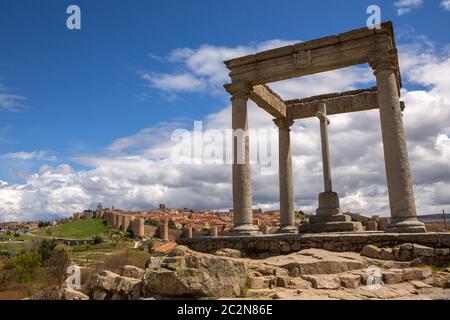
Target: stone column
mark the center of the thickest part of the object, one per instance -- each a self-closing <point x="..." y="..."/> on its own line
<point x="287" y="216"/>
<point x="329" y="217"/>
<point x="141" y="227"/>
<point x="188" y="232"/>
<point x="399" y="181"/>
<point x="164" y="230"/>
<point x="214" y="232"/>
<point x="126" y="223"/>
<point x="242" y="191"/>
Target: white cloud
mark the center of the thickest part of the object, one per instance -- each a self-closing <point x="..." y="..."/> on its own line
<point x="11" y="102"/>
<point x="406" y="6"/>
<point x="446" y="5"/>
<point x="135" y="172"/>
<point x="174" y="82"/>
<point x="34" y="155"/>
<point x="203" y="69"/>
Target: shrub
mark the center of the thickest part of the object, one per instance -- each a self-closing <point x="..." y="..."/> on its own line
<point x="26" y="266"/>
<point x="97" y="239"/>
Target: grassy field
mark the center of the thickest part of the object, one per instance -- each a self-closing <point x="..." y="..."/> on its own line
<point x="13" y="237"/>
<point x="77" y="229"/>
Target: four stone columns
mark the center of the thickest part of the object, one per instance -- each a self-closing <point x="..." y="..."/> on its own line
<point x="242" y="190"/>
<point x="399" y="182"/>
<point x="287" y="216"/>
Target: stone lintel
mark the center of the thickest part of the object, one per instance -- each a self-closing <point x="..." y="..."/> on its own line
<point x="337" y="103"/>
<point x="268" y="100"/>
<point x="319" y="55"/>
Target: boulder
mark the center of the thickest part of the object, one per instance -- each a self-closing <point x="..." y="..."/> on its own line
<point x="371" y="251"/>
<point x="198" y="275"/>
<point x="283" y="282"/>
<point x="417" y="274"/>
<point x="350" y="281"/>
<point x="294" y="272"/>
<point x="323" y="281"/>
<point x="420" y="285"/>
<point x="181" y="251"/>
<point x="259" y="282"/>
<point x="131" y="272"/>
<point x="112" y="283"/>
<point x="318" y="261"/>
<point x="392" y="276"/>
<point x="386" y="254"/>
<point x="72" y="294"/>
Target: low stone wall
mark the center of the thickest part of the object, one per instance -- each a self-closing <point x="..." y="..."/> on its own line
<point x="332" y="242"/>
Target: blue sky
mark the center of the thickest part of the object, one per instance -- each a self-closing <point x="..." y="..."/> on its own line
<point x="74" y="93"/>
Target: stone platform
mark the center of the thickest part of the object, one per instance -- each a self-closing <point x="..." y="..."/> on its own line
<point x="339" y="242"/>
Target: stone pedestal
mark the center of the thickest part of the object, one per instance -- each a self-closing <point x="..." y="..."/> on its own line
<point x="329" y="217"/>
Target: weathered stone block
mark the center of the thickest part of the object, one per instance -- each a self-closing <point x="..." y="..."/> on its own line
<point x="386" y="254"/>
<point x="392" y="276"/>
<point x="371" y="251"/>
<point x="422" y="251"/>
<point x="350" y="281"/>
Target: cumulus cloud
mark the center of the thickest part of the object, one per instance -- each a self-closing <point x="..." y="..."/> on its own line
<point x="406" y="6"/>
<point x="136" y="172"/>
<point x="203" y="69"/>
<point x="446" y="5"/>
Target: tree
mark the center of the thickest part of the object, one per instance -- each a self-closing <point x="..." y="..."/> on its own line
<point x="58" y="262"/>
<point x="26" y="266"/>
<point x="46" y="248"/>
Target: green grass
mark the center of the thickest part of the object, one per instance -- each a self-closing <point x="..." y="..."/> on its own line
<point x="13" y="237"/>
<point x="77" y="229"/>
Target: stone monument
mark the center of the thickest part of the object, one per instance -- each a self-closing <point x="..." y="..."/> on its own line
<point x="249" y="77"/>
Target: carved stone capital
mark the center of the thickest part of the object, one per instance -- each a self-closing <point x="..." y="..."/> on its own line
<point x="384" y="61"/>
<point x="283" y="123"/>
<point x="238" y="89"/>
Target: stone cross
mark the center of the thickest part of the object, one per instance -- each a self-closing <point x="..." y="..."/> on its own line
<point x="324" y="122"/>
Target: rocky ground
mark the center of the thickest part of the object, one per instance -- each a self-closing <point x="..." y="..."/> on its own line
<point x="307" y="274"/>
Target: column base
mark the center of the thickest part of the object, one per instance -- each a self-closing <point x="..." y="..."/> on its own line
<point x="406" y="225"/>
<point x="287" y="229"/>
<point x="338" y="226"/>
<point x="245" y="230"/>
